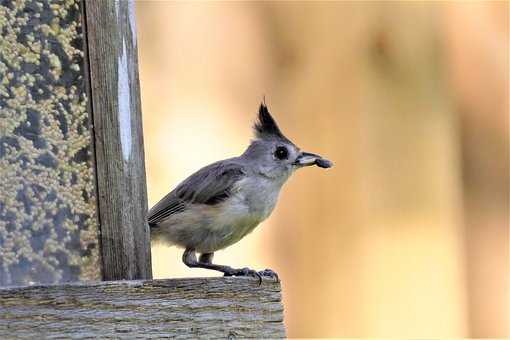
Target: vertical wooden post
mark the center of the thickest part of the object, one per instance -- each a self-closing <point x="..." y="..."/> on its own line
<point x="115" y="101"/>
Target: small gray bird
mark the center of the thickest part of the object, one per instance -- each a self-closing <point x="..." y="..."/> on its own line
<point x="221" y="203"/>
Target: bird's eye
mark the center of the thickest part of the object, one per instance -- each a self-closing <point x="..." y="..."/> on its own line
<point x="281" y="153"/>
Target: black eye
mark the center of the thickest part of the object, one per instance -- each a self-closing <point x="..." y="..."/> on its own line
<point x="281" y="152"/>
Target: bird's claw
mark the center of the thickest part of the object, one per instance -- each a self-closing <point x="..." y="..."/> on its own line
<point x="253" y="273"/>
<point x="243" y="272"/>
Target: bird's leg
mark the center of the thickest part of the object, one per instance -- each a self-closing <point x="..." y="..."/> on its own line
<point x="205" y="261"/>
<point x="190" y="259"/>
<point x="206" y="258"/>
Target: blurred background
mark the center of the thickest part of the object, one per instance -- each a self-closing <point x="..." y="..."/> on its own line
<point x="408" y="235"/>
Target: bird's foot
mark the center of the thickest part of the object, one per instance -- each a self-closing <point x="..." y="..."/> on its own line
<point x="253" y="273"/>
<point x="242" y="272"/>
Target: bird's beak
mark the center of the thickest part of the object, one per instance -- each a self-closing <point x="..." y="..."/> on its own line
<point x="307" y="159"/>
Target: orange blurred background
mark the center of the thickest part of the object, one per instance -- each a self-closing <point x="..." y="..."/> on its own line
<point x="408" y="235"/>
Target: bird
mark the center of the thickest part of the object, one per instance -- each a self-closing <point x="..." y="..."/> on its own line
<point x="223" y="202"/>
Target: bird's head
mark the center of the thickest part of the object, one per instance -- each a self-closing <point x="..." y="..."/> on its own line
<point x="274" y="155"/>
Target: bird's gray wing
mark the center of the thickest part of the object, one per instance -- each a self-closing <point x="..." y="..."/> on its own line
<point x="209" y="185"/>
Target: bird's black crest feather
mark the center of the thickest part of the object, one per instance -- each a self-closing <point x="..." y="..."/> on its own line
<point x="265" y="126"/>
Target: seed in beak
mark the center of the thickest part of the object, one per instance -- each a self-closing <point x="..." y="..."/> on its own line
<point x="307" y="159"/>
<point x="323" y="163"/>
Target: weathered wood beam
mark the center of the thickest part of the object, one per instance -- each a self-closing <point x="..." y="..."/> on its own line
<point x="116" y="111"/>
<point x="223" y="307"/>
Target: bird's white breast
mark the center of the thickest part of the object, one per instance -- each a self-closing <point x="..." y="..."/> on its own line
<point x="208" y="228"/>
<point x="252" y="202"/>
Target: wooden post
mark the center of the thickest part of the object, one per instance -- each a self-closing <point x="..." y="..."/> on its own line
<point x="115" y="99"/>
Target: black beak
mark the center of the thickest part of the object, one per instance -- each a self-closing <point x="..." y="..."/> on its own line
<point x="307" y="159"/>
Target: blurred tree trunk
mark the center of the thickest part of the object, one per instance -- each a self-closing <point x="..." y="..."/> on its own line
<point x="414" y="273"/>
<point x="393" y="136"/>
<point x="478" y="59"/>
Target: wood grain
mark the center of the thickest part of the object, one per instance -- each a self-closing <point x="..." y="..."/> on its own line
<point x="225" y="307"/>
<point x="115" y="98"/>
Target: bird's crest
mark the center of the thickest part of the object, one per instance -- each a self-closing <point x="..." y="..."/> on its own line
<point x="265" y="127"/>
